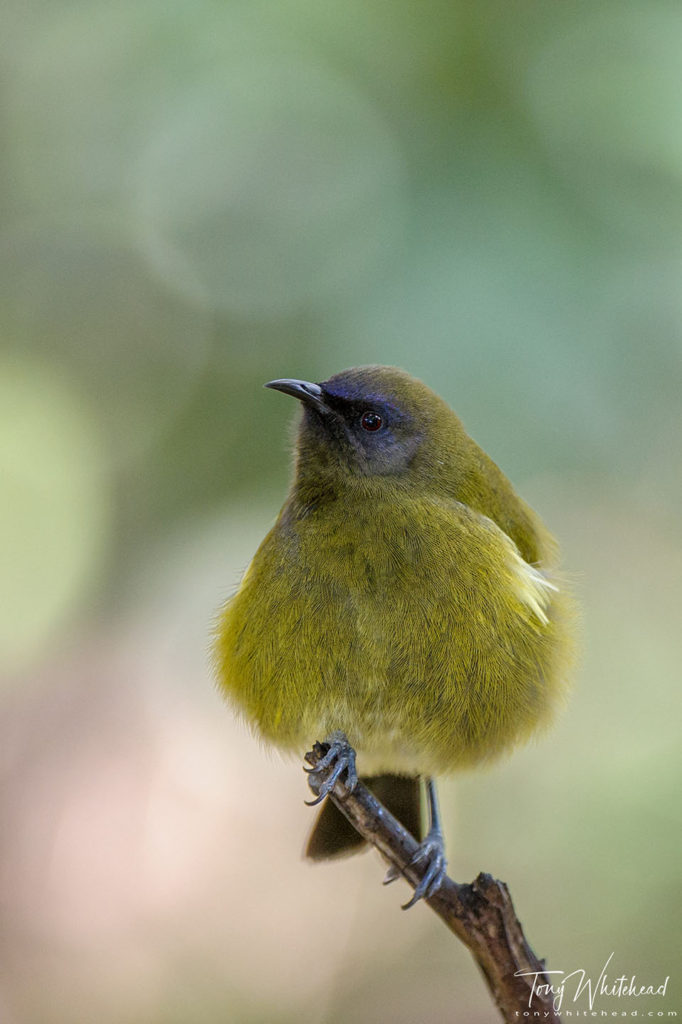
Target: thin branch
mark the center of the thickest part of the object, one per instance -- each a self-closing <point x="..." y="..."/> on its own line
<point x="481" y="914"/>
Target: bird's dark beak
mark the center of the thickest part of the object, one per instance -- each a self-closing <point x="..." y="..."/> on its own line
<point x="309" y="394"/>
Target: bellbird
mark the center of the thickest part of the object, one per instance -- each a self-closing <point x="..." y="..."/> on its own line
<point x="405" y="605"/>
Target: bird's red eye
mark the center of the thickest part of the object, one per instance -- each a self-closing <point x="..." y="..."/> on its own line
<point x="371" y="421"/>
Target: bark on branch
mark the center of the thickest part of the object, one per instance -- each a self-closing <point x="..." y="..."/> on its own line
<point x="481" y="914"/>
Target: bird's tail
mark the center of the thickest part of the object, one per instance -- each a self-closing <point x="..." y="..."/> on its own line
<point x="334" y="836"/>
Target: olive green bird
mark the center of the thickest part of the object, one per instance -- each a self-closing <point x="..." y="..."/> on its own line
<point x="405" y="605"/>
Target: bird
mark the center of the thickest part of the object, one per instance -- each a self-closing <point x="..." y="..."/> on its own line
<point x="407" y="605"/>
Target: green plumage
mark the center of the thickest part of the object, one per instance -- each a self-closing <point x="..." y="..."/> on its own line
<point x="405" y="596"/>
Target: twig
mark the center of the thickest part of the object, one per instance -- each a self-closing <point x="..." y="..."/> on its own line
<point x="481" y="914"/>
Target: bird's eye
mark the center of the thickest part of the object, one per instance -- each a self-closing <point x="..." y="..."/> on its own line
<point x="371" y="421"/>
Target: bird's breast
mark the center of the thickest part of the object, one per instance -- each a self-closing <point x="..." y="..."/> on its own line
<point x="411" y="626"/>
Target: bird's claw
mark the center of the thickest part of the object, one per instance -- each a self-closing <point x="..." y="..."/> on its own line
<point x="338" y="759"/>
<point x="432" y="850"/>
<point x="391" y="875"/>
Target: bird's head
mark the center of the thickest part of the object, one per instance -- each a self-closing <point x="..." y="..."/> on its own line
<point x="369" y="422"/>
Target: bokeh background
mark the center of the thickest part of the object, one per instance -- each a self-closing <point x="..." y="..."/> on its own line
<point x="197" y="197"/>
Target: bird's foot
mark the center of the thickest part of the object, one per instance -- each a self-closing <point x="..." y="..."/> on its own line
<point x="338" y="758"/>
<point x="432" y="850"/>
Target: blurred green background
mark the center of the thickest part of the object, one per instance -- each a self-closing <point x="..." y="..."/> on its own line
<point x="196" y="198"/>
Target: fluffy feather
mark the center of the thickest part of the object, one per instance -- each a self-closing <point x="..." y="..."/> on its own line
<point x="404" y="595"/>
